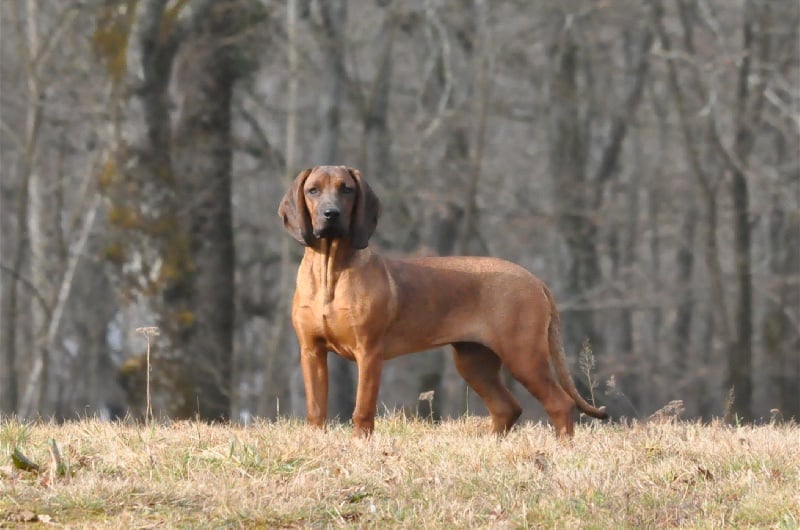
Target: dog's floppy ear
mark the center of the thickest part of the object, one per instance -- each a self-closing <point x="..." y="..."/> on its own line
<point x="293" y="211"/>
<point x="365" y="214"/>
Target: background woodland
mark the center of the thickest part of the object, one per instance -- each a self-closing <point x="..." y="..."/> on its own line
<point x="642" y="157"/>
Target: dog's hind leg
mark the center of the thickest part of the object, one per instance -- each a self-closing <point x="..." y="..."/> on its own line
<point x="535" y="374"/>
<point x="480" y="368"/>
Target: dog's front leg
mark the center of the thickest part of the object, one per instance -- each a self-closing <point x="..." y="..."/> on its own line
<point x="369" y="380"/>
<point x="314" y="362"/>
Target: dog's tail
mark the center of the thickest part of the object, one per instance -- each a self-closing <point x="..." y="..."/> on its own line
<point x="560" y="362"/>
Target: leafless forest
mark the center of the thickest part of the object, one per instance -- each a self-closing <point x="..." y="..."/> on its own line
<point x="642" y="157"/>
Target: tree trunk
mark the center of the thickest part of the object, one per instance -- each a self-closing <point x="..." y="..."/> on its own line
<point x="468" y="241"/>
<point x="682" y="332"/>
<point x="568" y="159"/>
<point x="171" y="201"/>
<point x="740" y="361"/>
<point x="692" y="146"/>
<point x="8" y="371"/>
<point x="202" y="157"/>
<point x="623" y="242"/>
<point x="780" y="329"/>
<point x="274" y="373"/>
<point x="331" y="38"/>
<point x="36" y="225"/>
<point x="780" y="332"/>
<point x="749" y="102"/>
<point x="377" y="138"/>
<point x="143" y="206"/>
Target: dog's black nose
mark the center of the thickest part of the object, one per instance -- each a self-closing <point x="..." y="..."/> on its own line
<point x="330" y="213"/>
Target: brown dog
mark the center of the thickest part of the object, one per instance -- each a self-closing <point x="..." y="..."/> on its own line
<point x="369" y="309"/>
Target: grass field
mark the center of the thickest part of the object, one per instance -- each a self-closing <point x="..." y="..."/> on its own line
<point x="410" y="474"/>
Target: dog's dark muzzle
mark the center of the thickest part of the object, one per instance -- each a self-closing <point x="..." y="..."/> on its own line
<point x="329" y="223"/>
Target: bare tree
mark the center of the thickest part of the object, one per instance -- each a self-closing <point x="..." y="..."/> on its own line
<point x="181" y="213"/>
<point x="569" y="171"/>
<point x="52" y="251"/>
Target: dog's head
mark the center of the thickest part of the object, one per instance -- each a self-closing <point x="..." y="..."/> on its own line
<point x="330" y="202"/>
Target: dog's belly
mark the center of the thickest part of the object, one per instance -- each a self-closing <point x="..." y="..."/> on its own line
<point x="427" y="333"/>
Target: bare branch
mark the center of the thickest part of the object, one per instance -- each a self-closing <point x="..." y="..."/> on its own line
<point x="76" y="251"/>
<point x="447" y="71"/>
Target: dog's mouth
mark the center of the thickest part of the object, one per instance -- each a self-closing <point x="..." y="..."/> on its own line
<point x="330" y="231"/>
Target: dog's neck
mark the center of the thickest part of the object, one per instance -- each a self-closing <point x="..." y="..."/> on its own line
<point x="328" y="257"/>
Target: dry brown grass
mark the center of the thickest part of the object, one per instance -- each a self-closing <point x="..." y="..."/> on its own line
<point x="411" y="474"/>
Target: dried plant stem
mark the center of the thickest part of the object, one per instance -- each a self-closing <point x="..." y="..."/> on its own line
<point x="149" y="411"/>
<point x="586" y="362"/>
<point x="148" y="333"/>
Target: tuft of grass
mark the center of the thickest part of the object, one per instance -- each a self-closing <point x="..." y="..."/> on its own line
<point x="13" y="434"/>
<point x="410" y="474"/>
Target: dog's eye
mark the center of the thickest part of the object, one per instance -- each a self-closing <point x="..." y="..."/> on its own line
<point x="346" y="189"/>
<point x="312" y="191"/>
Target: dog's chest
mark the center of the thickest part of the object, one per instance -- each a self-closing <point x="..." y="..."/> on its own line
<point x="341" y="307"/>
<point x="336" y="322"/>
<point x="335" y="325"/>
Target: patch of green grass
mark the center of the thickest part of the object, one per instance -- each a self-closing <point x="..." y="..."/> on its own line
<point x="13" y="434"/>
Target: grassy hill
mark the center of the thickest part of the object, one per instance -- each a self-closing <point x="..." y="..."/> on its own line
<point x="411" y="474"/>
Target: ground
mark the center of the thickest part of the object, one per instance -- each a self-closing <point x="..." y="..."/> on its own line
<point x="410" y="474"/>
